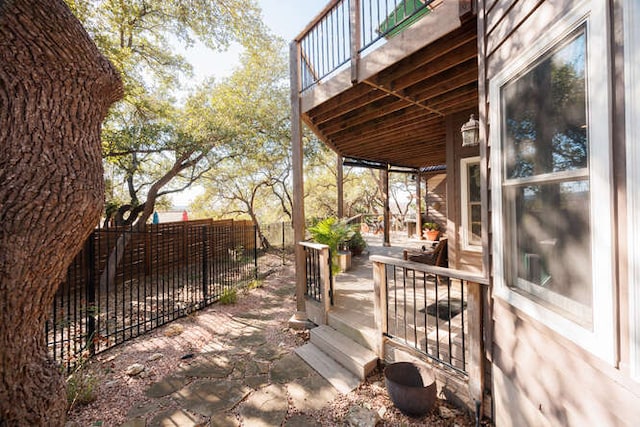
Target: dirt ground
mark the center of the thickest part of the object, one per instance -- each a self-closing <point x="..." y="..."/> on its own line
<point x="116" y="393"/>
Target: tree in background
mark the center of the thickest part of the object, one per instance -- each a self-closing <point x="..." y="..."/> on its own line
<point x="254" y="101"/>
<point x="151" y="141"/>
<point x="55" y="90"/>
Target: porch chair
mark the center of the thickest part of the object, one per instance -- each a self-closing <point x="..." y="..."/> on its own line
<point x="438" y="256"/>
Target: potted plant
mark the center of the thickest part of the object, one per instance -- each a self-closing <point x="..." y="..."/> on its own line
<point x="335" y="234"/>
<point x="357" y="243"/>
<point x="431" y="230"/>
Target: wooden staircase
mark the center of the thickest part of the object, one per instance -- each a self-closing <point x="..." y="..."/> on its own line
<point x="340" y="360"/>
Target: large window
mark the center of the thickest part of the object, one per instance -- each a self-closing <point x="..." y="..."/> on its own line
<point x="546" y="181"/>
<point x="551" y="169"/>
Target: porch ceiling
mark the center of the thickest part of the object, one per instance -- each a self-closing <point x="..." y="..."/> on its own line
<point x="398" y="115"/>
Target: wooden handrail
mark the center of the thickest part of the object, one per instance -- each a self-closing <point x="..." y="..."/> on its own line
<point x="425" y="268"/>
<point x="317" y="19"/>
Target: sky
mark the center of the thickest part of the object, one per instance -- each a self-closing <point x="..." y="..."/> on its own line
<point x="285" y="18"/>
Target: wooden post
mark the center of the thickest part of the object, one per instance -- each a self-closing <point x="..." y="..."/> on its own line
<point x="340" y="185"/>
<point x="380" y="305"/>
<point x="298" y="184"/>
<point x="419" y="205"/>
<point x="476" y="347"/>
<point x="325" y="277"/>
<point x="386" y="213"/>
<point x="354" y="24"/>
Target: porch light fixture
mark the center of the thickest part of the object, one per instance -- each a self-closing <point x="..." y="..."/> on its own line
<point x="470" y="132"/>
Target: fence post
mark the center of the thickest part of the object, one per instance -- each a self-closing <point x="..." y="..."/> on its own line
<point x="255" y="251"/>
<point x="91" y="310"/>
<point x="205" y="265"/>
<point x="283" y="247"/>
<point x="380" y="305"/>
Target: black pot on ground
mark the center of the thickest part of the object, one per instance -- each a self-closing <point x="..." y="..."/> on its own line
<point x="412" y="388"/>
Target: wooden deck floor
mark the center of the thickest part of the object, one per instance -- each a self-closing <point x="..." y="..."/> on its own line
<point x="353" y="304"/>
<point x="353" y="290"/>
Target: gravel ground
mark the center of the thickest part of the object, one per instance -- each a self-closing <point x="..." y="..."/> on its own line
<point x="205" y="330"/>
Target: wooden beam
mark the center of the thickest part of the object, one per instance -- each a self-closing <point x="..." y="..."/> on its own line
<point x="431" y="53"/>
<point x="384" y="175"/>
<point x="462" y="54"/>
<point x="298" y="182"/>
<point x="340" y="185"/>
<point x="402" y="116"/>
<point x="419" y="205"/>
<point x="400" y="141"/>
<point x="386" y="128"/>
<point x="354" y="33"/>
<point x="379" y="108"/>
<point x="380" y="306"/>
<point x="447" y="81"/>
<point x="476" y="347"/>
<point x="408" y="99"/>
<point x="338" y="107"/>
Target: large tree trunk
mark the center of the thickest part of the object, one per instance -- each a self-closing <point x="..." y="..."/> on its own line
<point x="55" y="90"/>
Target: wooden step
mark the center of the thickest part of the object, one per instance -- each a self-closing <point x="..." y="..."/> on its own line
<point x="356" y="358"/>
<point x="337" y="375"/>
<point x="364" y="336"/>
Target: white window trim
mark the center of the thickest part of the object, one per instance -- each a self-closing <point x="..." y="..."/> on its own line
<point x="464" y="204"/>
<point x="632" y="137"/>
<point x="599" y="340"/>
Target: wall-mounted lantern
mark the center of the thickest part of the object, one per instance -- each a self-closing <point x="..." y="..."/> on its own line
<point x="470" y="132"/>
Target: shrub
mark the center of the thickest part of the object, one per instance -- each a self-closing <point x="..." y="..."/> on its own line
<point x="229" y="296"/>
<point x="82" y="386"/>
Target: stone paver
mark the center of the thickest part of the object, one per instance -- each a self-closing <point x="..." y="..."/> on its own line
<point x="209" y="397"/>
<point x="240" y="379"/>
<point x="269" y="353"/>
<point x="166" y="386"/>
<point x="253" y="339"/>
<point x="257" y="381"/>
<point x="302" y="421"/>
<point x="174" y="417"/>
<point x="208" y="370"/>
<point x="224" y="420"/>
<point x="311" y="393"/>
<point x="266" y="407"/>
<point x="290" y="368"/>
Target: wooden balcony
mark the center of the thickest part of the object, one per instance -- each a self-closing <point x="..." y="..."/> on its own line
<point x="376" y="79"/>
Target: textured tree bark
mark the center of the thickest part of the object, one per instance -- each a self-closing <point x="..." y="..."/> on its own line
<point x="55" y="90"/>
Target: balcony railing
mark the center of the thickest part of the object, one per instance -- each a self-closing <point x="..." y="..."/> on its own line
<point x="346" y="29"/>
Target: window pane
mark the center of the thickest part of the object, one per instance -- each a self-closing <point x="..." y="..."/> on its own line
<point x="551" y="257"/>
<point x="545" y="125"/>
<point x="476" y="225"/>
<point x="473" y="172"/>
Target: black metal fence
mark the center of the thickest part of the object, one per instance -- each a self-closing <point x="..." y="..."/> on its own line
<point x="125" y="283"/>
<point x="277" y="236"/>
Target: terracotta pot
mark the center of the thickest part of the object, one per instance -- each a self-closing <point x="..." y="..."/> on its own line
<point x="431" y="234"/>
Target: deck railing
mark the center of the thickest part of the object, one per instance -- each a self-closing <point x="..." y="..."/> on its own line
<point x="432" y="310"/>
<point x="346" y="29"/>
<point x="319" y="281"/>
